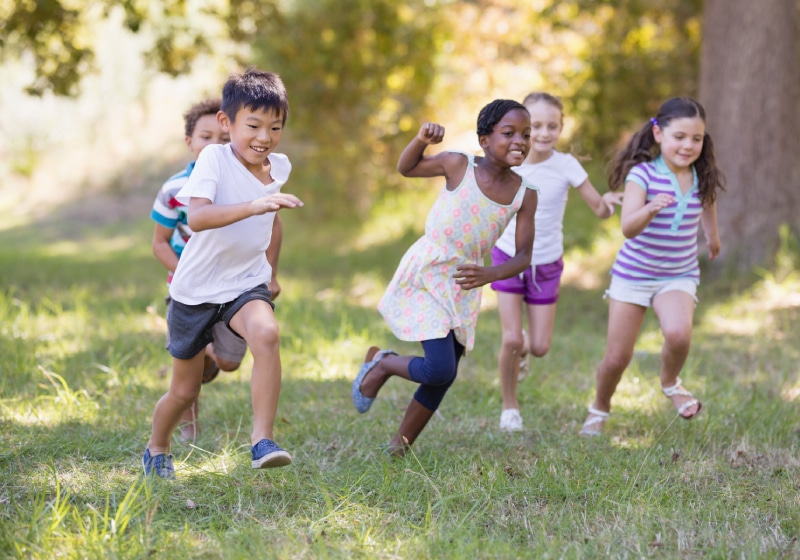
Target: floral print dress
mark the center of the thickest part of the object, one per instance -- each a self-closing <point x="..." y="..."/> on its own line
<point x="423" y="301"/>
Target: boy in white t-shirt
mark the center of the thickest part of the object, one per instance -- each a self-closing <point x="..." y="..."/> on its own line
<point x="537" y="289"/>
<point x="233" y="194"/>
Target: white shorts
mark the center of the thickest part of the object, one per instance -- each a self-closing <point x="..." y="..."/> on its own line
<point x="643" y="293"/>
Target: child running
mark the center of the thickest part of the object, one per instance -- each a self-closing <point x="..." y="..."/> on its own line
<point x="671" y="179"/>
<point x="536" y="289"/>
<point x="171" y="233"/>
<point x="435" y="294"/>
<point x="233" y="194"/>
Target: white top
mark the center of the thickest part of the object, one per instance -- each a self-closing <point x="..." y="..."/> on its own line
<point x="220" y="264"/>
<point x="554" y="176"/>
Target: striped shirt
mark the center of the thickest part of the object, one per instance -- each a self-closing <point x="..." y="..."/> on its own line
<point x="171" y="214"/>
<point x="667" y="247"/>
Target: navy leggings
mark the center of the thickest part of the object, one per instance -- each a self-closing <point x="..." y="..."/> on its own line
<point x="437" y="370"/>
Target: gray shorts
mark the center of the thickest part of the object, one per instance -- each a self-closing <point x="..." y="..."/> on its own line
<point x="642" y="293"/>
<point x="192" y="327"/>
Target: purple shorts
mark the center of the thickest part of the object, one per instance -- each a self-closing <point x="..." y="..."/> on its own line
<point x="541" y="291"/>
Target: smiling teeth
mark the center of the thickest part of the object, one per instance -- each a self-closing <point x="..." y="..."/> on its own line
<point x="258" y="149"/>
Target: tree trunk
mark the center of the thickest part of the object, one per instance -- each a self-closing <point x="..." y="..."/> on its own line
<point x="750" y="87"/>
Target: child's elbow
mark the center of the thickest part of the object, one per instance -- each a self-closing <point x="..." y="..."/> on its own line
<point x="195" y="224"/>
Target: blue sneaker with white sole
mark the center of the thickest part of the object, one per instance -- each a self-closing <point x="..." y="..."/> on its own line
<point x="267" y="454"/>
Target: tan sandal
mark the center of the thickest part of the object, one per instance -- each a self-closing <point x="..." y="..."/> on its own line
<point x="590" y="427"/>
<point x="677" y="391"/>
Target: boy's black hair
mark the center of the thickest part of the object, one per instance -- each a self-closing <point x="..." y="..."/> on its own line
<point x="492" y="113"/>
<point x="254" y="90"/>
<point x="643" y="147"/>
<point x="201" y="109"/>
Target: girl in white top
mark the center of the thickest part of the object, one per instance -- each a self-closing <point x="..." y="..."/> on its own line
<point x="536" y="289"/>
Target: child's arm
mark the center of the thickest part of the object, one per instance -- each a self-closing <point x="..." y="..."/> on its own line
<point x="203" y="214"/>
<point x="637" y="213"/>
<point x="602" y="206"/>
<point x="708" y="219"/>
<point x="470" y="276"/>
<point x="273" y="253"/>
<point x="413" y="163"/>
<point x="162" y="248"/>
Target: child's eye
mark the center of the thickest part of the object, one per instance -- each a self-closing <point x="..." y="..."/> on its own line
<point x="252" y="126"/>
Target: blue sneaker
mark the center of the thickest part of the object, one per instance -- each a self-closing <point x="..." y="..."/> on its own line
<point x="267" y="454"/>
<point x="160" y="465"/>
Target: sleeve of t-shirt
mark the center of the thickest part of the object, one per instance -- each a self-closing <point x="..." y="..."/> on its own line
<point x="163" y="213"/>
<point x="574" y="171"/>
<point x="205" y="176"/>
<point x="637" y="175"/>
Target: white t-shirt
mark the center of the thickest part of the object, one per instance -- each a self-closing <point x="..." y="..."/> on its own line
<point x="554" y="176"/>
<point x="220" y="264"/>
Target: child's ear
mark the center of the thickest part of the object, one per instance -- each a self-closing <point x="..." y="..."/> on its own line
<point x="483" y="141"/>
<point x="658" y="134"/>
<point x="188" y="140"/>
<point x="223" y="121"/>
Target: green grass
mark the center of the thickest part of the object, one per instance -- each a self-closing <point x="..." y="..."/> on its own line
<point x="82" y="364"/>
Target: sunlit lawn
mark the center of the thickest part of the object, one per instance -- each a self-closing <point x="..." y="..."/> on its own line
<point x="82" y="364"/>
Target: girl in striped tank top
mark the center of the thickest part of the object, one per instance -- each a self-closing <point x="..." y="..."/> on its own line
<point x="671" y="178"/>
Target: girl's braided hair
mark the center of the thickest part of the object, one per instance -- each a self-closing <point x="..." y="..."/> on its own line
<point x="492" y="113"/>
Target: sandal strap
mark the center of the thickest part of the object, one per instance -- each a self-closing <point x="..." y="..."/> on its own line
<point x="603" y="415"/>
<point x="687" y="404"/>
<point x="676" y="390"/>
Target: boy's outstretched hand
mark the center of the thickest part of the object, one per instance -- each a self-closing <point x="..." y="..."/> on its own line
<point x="431" y="133"/>
<point x="274" y="202"/>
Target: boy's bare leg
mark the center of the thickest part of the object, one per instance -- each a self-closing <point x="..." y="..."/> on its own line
<point x="189" y="425"/>
<point x="183" y="391"/>
<point x="255" y="322"/>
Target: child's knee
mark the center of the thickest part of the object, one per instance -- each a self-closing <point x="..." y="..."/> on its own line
<point x="677" y="339"/>
<point x="540" y="348"/>
<point x="185" y="394"/>
<point x="439" y="374"/>
<point x="264" y="337"/>
<point x="513" y="343"/>
<point x="227" y="365"/>
<point x="617" y="361"/>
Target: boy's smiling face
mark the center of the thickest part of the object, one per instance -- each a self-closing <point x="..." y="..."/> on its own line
<point x="254" y="134"/>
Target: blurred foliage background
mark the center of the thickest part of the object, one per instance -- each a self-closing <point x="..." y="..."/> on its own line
<point x="96" y="89"/>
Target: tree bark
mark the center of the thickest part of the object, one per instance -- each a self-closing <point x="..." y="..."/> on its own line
<point x="750" y="87"/>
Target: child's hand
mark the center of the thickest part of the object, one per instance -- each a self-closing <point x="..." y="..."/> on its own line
<point x="274" y="287"/>
<point x="470" y="276"/>
<point x="274" y="202"/>
<point x="610" y="199"/>
<point x="431" y="133"/>
<point x="714" y="246"/>
<point x="660" y="202"/>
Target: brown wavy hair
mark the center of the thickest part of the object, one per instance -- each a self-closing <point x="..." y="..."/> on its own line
<point x="643" y="147"/>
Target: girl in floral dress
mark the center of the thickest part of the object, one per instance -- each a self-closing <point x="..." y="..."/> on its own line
<point x="434" y="296"/>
